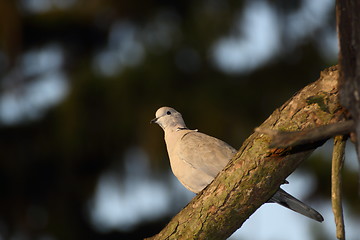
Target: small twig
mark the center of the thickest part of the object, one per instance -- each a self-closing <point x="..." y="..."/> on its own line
<point x="283" y="139"/>
<point x="336" y="186"/>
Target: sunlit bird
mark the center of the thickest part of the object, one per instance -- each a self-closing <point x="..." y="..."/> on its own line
<point x="196" y="159"/>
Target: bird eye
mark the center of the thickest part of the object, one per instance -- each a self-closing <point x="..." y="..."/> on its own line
<point x="168" y="112"/>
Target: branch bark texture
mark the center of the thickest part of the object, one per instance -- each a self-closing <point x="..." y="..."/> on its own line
<point x="256" y="172"/>
<point x="348" y="23"/>
<point x="284" y="139"/>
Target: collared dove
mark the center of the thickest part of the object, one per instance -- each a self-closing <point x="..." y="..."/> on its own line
<point x="197" y="158"/>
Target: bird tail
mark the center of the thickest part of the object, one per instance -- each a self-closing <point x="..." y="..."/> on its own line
<point x="284" y="199"/>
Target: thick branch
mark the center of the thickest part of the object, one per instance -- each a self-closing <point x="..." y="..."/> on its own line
<point x="348" y="23"/>
<point x="282" y="139"/>
<point x="256" y="171"/>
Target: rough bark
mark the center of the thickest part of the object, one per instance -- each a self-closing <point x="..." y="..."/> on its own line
<point x="284" y="139"/>
<point x="348" y="23"/>
<point x="256" y="172"/>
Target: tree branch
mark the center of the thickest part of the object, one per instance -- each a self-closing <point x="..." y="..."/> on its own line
<point x="348" y="25"/>
<point x="256" y="172"/>
<point x="282" y="139"/>
<point x="336" y="187"/>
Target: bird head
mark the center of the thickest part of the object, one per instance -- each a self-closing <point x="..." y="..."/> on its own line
<point x="168" y="118"/>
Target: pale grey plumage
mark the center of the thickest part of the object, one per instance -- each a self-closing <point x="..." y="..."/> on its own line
<point x="196" y="175"/>
<point x="197" y="158"/>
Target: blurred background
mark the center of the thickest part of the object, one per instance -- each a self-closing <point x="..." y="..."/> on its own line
<point x="80" y="81"/>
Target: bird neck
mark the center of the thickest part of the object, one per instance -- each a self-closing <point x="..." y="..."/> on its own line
<point x="173" y="135"/>
<point x="181" y="128"/>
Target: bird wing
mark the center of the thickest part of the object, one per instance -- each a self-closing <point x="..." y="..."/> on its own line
<point x="204" y="153"/>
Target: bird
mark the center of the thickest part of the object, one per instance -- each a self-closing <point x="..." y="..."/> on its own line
<point x="197" y="158"/>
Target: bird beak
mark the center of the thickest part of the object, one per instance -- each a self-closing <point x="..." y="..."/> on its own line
<point x="154" y="120"/>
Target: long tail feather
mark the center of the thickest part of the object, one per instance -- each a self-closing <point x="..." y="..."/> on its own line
<point x="284" y="199"/>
